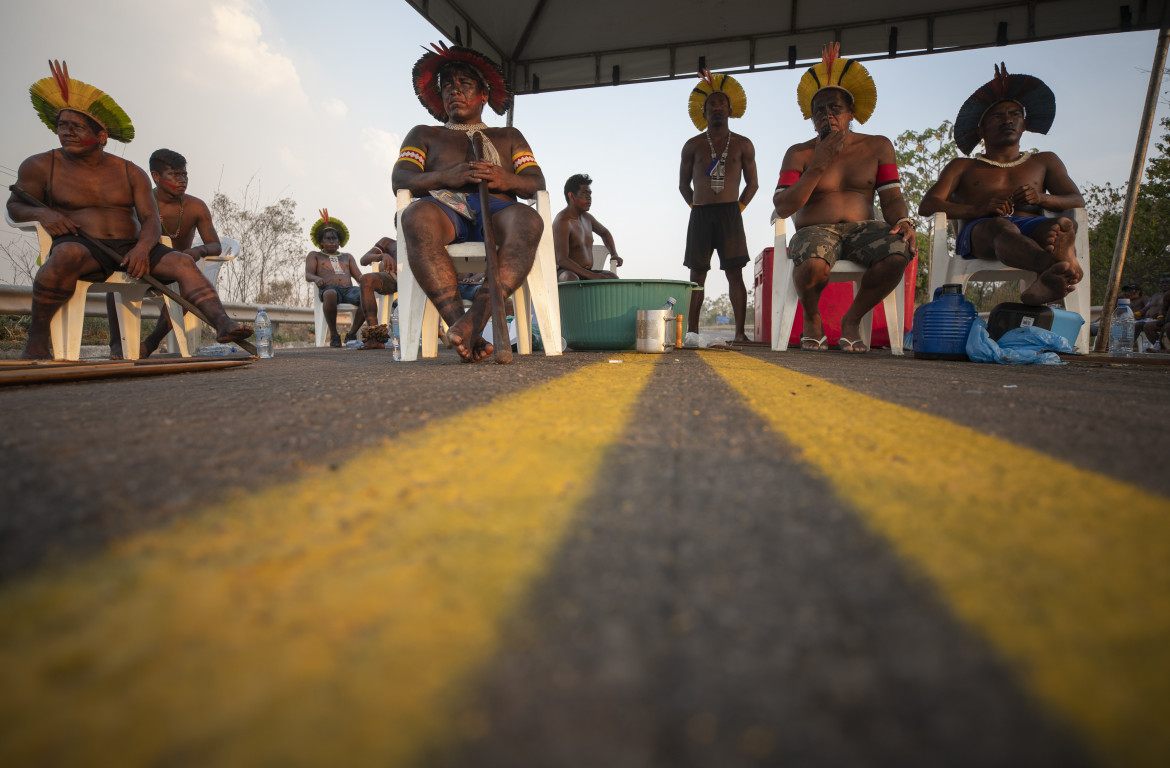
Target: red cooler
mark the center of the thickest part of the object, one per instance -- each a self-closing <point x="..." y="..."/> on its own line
<point x="835" y="299"/>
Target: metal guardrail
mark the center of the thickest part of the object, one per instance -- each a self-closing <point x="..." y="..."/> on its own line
<point x="17" y="300"/>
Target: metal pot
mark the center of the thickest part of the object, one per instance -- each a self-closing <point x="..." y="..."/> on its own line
<point x="655" y="330"/>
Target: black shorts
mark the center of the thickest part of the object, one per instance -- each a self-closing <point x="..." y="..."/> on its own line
<point x="716" y="227"/>
<point x="120" y="246"/>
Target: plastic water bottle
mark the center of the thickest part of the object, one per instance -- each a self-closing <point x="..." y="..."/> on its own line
<point x="263" y="334"/>
<point x="1121" y="330"/>
<point x="669" y="305"/>
<point x="395" y="344"/>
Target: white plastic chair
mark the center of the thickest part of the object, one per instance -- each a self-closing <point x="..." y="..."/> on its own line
<point x="419" y="320"/>
<point x="600" y="254"/>
<point x="785" y="300"/>
<point x="945" y="268"/>
<point x="186" y="343"/>
<point x="65" y="328"/>
<point x="321" y="328"/>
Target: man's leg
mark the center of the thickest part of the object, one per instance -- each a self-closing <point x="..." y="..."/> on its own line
<point x="180" y="268"/>
<point x="876" y="284"/>
<point x="810" y="278"/>
<point x="161" y="329"/>
<point x="737" y="292"/>
<point x="370" y="306"/>
<point x="115" y="328"/>
<point x="699" y="277"/>
<point x="359" y="317"/>
<point x="517" y="229"/>
<point x="427" y="231"/>
<point x="54" y="285"/>
<point x="329" y="303"/>
<point x="1048" y="252"/>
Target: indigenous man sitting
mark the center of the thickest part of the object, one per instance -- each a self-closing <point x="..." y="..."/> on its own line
<point x="90" y="194"/>
<point x="1001" y="194"/>
<point x="827" y="186"/>
<point x="383" y="280"/>
<point x="181" y="216"/>
<point x="437" y="165"/>
<point x="331" y="271"/>
<point x="573" y="231"/>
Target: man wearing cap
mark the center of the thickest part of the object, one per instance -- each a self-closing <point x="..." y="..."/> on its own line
<point x="437" y="165"/>
<point x="713" y="164"/>
<point x="332" y="271"/>
<point x="1001" y="194"/>
<point x="83" y="189"/>
<point x="827" y="186"/>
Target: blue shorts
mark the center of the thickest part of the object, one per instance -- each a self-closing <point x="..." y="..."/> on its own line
<point x="1024" y="223"/>
<point x="468" y="231"/>
<point x="345" y="295"/>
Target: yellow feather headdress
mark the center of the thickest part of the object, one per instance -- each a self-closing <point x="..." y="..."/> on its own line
<point x="708" y="84"/>
<point x="328" y="222"/>
<point x="834" y="72"/>
<point x="53" y="94"/>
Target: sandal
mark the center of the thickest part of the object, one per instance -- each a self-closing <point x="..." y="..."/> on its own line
<point x="821" y="344"/>
<point x="856" y="347"/>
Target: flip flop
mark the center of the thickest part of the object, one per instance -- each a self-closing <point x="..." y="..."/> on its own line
<point x="821" y="344"/>
<point x="845" y="345"/>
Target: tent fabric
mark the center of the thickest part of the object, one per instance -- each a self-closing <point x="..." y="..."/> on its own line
<point x="549" y="45"/>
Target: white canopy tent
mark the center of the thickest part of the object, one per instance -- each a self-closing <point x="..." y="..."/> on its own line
<point x="552" y="45"/>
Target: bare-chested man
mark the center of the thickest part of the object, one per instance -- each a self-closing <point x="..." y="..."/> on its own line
<point x="573" y="231"/>
<point x="383" y="280"/>
<point x="1001" y="194"/>
<point x="182" y="215"/>
<point x="332" y="271"/>
<point x="105" y="196"/>
<point x="827" y="186"/>
<point x="713" y="163"/>
<point x="436" y="164"/>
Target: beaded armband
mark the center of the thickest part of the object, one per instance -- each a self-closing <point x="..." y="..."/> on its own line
<point x="413" y="155"/>
<point x="522" y="160"/>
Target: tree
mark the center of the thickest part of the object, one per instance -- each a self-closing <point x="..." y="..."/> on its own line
<point x="721" y="307"/>
<point x="1146" y="251"/>
<point x="271" y="261"/>
<point x="921" y="158"/>
<point x="21" y="252"/>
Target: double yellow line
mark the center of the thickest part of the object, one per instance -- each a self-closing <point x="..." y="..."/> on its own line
<point x="355" y="602"/>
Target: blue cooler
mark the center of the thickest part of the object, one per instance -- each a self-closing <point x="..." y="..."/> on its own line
<point x="1009" y="315"/>
<point x="941" y="327"/>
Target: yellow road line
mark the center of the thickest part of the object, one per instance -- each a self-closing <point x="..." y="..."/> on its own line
<point x="1066" y="571"/>
<point x="323" y="623"/>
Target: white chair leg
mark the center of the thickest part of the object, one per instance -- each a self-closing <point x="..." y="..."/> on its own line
<point x="430" y="330"/>
<point x="320" y="329"/>
<point x="178" y="335"/>
<point x="522" y="306"/>
<point x="129" y="309"/>
<point x="66" y="326"/>
<point x="785" y="302"/>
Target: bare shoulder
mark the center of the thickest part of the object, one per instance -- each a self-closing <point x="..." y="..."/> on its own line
<point x="1049" y="159"/>
<point x="742" y="140"/>
<point x="421" y="134"/>
<point x="135" y="172"/>
<point x="38" y="163"/>
<point x="694" y="143"/>
<point x="197" y="206"/>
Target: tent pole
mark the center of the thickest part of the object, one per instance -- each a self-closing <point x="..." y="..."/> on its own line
<point x="1135" y="181"/>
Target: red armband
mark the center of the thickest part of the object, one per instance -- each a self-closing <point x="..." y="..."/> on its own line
<point x="787" y="178"/>
<point x="887" y="177"/>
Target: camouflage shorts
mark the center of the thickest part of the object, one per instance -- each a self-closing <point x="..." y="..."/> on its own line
<point x="864" y="242"/>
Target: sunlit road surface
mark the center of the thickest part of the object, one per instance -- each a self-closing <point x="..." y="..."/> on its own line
<point x="686" y="559"/>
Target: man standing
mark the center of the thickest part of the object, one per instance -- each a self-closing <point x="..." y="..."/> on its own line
<point x="181" y="216"/>
<point x="827" y="186"/>
<point x="384" y="281"/>
<point x="573" y="231"/>
<point x="103" y="196"/>
<point x="436" y="164"/>
<point x="331" y="271"/>
<point x="712" y="165"/>
<point x="1001" y="194"/>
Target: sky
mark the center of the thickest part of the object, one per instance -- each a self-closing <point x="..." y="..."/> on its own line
<point x="311" y="101"/>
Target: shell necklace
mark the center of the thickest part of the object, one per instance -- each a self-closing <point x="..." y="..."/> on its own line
<point x="1023" y="158"/>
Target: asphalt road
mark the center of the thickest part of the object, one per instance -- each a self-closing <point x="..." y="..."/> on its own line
<point x="708" y="559"/>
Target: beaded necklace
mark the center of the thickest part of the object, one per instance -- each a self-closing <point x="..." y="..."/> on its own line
<point x="179" y="226"/>
<point x="1023" y="158"/>
<point x="718" y="169"/>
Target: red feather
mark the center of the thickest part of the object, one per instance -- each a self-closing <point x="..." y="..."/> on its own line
<point x="829" y="55"/>
<point x="61" y="75"/>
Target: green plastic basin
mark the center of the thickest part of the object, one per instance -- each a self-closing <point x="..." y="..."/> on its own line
<point x="602" y="314"/>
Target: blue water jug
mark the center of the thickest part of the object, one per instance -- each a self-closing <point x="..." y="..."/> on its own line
<point x="941" y="327"/>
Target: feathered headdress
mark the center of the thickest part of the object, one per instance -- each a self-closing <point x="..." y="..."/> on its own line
<point x="426" y="78"/>
<point x="1036" y="98"/>
<point x="709" y="84"/>
<point x="834" y="72"/>
<point x="53" y="94"/>
<point x="328" y="222"/>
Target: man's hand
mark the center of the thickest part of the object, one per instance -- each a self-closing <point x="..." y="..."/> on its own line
<point x="56" y="223"/>
<point x="137" y="262"/>
<point x="907" y="234"/>
<point x="1000" y="205"/>
<point x="615" y="260"/>
<point x="1026" y="195"/>
<point x="601" y="275"/>
<point x="827" y="149"/>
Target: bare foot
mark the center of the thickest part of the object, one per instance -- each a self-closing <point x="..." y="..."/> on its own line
<point x="233" y="333"/>
<point x="1061" y="242"/>
<point x="36" y="352"/>
<point x="372" y="345"/>
<point x="740" y="337"/>
<point x="459" y="332"/>
<point x="1053" y="284"/>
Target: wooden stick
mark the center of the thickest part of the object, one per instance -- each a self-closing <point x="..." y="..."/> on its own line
<point x="502" y="340"/>
<point x="114" y="260"/>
